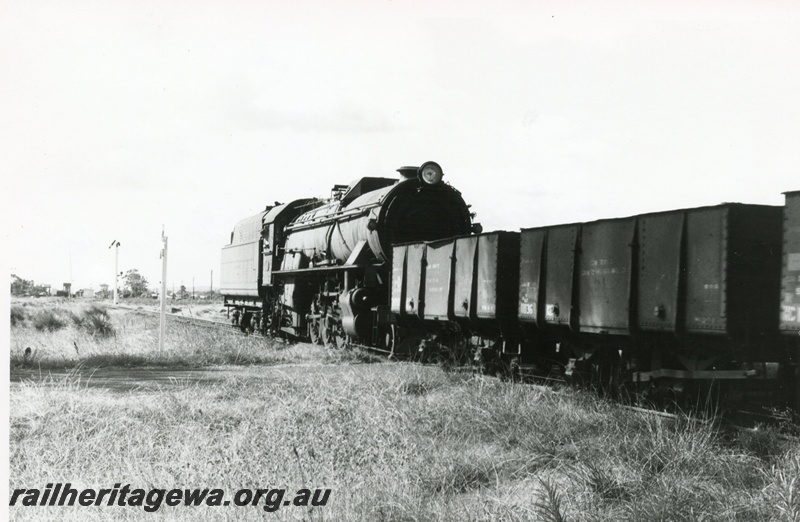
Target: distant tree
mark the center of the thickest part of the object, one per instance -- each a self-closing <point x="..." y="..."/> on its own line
<point x="20" y="286"/>
<point x="183" y="293"/>
<point x="135" y="283"/>
<point x="40" y="290"/>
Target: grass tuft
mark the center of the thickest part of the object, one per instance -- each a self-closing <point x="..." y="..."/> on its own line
<point x="96" y="322"/>
<point x="48" y="320"/>
<point x="602" y="481"/>
<point x="549" y="507"/>
<point x="93" y="320"/>
<point x="18" y="315"/>
<point x="783" y="485"/>
<point x="762" y="442"/>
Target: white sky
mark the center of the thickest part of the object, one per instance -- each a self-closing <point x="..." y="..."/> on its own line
<point x="119" y="116"/>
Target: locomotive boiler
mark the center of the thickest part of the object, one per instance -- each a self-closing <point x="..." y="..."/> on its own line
<point x="321" y="267"/>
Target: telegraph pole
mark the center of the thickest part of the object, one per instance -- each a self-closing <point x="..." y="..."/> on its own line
<point x="163" y="321"/>
<point x="115" y="244"/>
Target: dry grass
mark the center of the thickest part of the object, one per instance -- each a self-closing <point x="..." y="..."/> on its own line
<point x="93" y="337"/>
<point x="394" y="441"/>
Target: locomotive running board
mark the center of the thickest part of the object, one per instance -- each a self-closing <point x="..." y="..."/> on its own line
<point x="725" y="375"/>
<point x="320" y="270"/>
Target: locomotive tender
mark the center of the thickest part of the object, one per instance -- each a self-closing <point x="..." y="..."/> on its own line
<point x="675" y="302"/>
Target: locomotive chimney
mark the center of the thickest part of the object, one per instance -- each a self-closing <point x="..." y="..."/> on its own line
<point x="408" y="172"/>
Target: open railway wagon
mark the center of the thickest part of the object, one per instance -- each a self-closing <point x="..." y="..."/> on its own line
<point x="790" y="287"/>
<point x="454" y="298"/>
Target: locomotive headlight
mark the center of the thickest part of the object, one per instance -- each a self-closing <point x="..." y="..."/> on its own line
<point x="431" y="173"/>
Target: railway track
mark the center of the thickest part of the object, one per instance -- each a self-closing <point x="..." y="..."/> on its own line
<point x="737" y="420"/>
<point x="196" y="321"/>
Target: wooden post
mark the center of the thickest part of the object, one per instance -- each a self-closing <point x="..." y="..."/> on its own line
<point x="116" y="272"/>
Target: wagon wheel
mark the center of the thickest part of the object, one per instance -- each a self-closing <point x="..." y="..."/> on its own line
<point x="315" y="331"/>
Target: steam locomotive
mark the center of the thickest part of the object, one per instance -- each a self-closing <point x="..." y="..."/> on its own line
<point x="321" y="268"/>
<point x="677" y="303"/>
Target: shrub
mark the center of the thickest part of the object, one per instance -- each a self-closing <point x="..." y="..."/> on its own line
<point x="17" y="315"/>
<point x="98" y="325"/>
<point x="48" y="320"/>
<point x="95" y="321"/>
